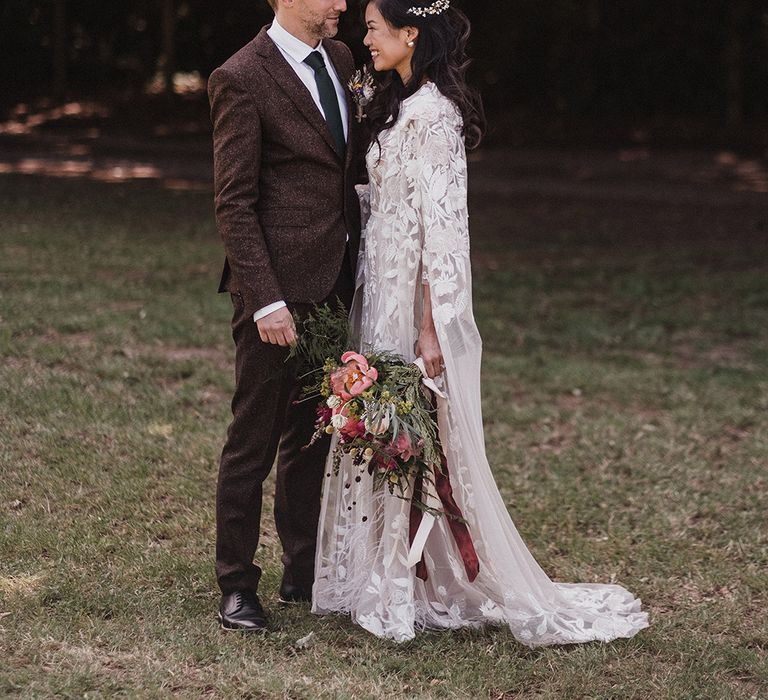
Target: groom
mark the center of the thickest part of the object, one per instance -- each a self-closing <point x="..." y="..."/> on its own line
<point x="286" y="161"/>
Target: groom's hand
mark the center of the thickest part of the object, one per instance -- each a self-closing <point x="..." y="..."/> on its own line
<point x="277" y="328"/>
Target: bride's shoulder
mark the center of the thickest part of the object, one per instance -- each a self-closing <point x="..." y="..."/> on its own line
<point x="428" y="105"/>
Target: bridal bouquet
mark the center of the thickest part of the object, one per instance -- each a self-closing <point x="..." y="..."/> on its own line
<point x="375" y="403"/>
<point x="385" y="420"/>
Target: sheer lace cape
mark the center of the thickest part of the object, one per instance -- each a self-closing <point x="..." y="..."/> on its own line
<point x="417" y="233"/>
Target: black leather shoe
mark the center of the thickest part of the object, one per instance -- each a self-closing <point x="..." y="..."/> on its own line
<point x="242" y="610"/>
<point x="292" y="595"/>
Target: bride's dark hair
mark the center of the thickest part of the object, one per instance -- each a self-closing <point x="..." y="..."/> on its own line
<point x="440" y="56"/>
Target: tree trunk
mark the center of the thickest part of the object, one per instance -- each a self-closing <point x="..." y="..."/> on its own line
<point x="733" y="64"/>
<point x="168" y="58"/>
<point x="60" y="46"/>
<point x="594" y="14"/>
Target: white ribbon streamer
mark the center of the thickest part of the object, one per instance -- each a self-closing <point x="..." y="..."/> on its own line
<point x="426" y="381"/>
<point x="420" y="541"/>
<point x="427" y="519"/>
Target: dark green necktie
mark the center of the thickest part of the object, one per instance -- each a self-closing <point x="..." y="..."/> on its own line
<point x="328" y="99"/>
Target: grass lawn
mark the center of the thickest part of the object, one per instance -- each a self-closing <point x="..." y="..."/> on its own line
<point x="626" y="405"/>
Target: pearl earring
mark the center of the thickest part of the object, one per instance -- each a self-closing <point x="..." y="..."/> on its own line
<point x="411" y="44"/>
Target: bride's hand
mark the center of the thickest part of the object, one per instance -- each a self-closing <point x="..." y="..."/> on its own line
<point x="428" y="348"/>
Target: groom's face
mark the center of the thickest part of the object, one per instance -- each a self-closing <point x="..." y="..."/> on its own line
<point x="320" y="18"/>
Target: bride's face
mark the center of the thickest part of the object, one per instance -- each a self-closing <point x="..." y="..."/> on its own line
<point x="388" y="45"/>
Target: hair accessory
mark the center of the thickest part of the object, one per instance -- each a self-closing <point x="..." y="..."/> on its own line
<point x="436" y="8"/>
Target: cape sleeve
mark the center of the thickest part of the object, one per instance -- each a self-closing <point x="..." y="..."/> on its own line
<point x="437" y="176"/>
<point x="436" y="173"/>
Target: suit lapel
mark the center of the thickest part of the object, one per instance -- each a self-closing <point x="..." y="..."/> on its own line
<point x="291" y="85"/>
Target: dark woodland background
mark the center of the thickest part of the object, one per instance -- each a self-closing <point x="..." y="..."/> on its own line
<point x="686" y="71"/>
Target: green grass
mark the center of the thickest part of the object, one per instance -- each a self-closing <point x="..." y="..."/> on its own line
<point x="626" y="402"/>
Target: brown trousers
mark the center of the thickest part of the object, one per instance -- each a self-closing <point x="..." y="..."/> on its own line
<point x="267" y="422"/>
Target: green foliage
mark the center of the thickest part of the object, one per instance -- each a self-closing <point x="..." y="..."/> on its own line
<point x="323" y="334"/>
<point x="323" y="337"/>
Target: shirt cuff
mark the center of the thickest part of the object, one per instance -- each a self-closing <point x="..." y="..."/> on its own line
<point x="261" y="313"/>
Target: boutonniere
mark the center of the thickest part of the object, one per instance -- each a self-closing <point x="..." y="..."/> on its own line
<point x="363" y="88"/>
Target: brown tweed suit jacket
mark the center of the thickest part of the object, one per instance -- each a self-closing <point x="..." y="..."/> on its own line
<point x="285" y="198"/>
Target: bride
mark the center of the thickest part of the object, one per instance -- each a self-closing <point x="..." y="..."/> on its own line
<point x="416" y="300"/>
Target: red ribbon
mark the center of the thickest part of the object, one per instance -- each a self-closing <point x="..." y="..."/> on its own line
<point x="456" y="522"/>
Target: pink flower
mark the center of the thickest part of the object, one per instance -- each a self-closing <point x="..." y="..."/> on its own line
<point x="354" y="377"/>
<point x="384" y="463"/>
<point x="403" y="447"/>
<point x="341" y="410"/>
<point x="354" y="428"/>
<point x="349" y="427"/>
<point x="324" y="414"/>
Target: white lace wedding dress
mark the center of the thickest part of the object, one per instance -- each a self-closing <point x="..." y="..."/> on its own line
<point x="418" y="233"/>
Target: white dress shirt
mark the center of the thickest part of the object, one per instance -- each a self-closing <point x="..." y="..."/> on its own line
<point x="295" y="51"/>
